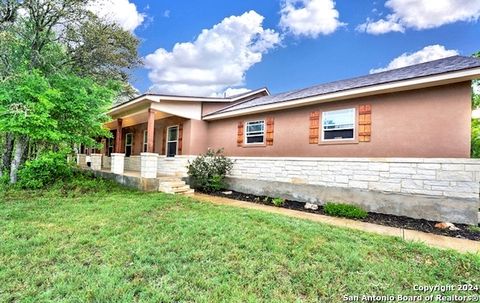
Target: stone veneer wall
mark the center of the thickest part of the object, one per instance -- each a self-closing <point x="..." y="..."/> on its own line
<point x="437" y="177"/>
<point x="132" y="163"/>
<point x="106" y="162"/>
<point x="436" y="189"/>
<point x="173" y="166"/>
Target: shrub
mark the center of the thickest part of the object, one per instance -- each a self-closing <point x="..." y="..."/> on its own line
<point x="344" y="210"/>
<point x="44" y="171"/>
<point x="278" y="202"/>
<point x="474" y="229"/>
<point x="207" y="172"/>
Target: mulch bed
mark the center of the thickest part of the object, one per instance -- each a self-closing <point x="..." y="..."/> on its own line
<point x="376" y="218"/>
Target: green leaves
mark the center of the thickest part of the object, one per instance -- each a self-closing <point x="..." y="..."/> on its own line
<point x="61" y="108"/>
<point x="25" y="105"/>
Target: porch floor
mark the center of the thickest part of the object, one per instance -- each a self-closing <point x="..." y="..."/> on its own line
<point x="133" y="173"/>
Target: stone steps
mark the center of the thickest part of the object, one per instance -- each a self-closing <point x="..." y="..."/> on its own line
<point x="173" y="185"/>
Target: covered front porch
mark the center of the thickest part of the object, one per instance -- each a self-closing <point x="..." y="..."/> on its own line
<point x="150" y="139"/>
<point x="151" y="135"/>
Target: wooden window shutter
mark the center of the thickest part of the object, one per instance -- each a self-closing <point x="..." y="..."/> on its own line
<point x="314" y="127"/>
<point x="364" y="123"/>
<point x="240" y="133"/>
<point x="164" y="142"/>
<point x="180" y="138"/>
<point x="270" y="127"/>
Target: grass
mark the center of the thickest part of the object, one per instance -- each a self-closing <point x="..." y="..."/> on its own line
<point x="96" y="242"/>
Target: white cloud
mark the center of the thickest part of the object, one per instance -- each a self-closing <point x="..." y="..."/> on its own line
<point x="381" y="26"/>
<point x="166" y="13"/>
<point x="309" y="18"/>
<point x="235" y="91"/>
<point x="428" y="53"/>
<point x="122" y="12"/>
<point x="423" y="14"/>
<point x="216" y="60"/>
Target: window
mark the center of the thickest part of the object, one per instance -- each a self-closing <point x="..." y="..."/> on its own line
<point x="128" y="144"/>
<point x="255" y="132"/>
<point x="110" y="146"/>
<point x="338" y="124"/>
<point x="172" y="141"/>
<point x="145" y="139"/>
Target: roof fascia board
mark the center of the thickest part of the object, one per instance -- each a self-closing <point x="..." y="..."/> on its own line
<point x="428" y="81"/>
<point x="158" y="98"/>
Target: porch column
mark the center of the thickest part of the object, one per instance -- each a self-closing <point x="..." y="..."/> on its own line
<point x="118" y="162"/>
<point x="150" y="130"/>
<point x="82" y="160"/>
<point x="96" y="161"/>
<point x="118" y="139"/>
<point x="149" y="165"/>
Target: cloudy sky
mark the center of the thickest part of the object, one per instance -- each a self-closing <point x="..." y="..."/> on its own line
<point x="211" y="47"/>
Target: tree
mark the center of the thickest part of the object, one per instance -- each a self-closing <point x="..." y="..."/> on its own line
<point x="60" y="68"/>
<point x="24" y="108"/>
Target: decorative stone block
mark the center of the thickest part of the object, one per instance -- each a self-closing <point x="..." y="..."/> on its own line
<point x="82" y="160"/>
<point x="96" y="163"/>
<point x="149" y="165"/>
<point x="117" y="163"/>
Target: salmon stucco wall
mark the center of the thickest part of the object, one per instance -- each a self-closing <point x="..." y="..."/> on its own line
<point x="429" y="122"/>
<point x="160" y="125"/>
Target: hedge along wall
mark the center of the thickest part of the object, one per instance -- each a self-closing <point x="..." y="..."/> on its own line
<point x="435" y="189"/>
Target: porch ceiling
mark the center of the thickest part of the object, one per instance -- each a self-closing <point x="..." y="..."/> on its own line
<point x="136" y="118"/>
<point x="137" y="113"/>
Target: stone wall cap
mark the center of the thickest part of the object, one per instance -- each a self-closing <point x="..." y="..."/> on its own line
<point x="149" y="154"/>
<point x="365" y="159"/>
<point x="117" y="154"/>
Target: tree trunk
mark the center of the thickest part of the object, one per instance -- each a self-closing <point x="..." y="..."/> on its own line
<point x="26" y="153"/>
<point x="7" y="155"/>
<point x="20" y="146"/>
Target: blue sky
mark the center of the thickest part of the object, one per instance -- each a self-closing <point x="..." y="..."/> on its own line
<point x="308" y="42"/>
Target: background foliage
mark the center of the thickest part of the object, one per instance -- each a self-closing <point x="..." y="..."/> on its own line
<point x="61" y="68"/>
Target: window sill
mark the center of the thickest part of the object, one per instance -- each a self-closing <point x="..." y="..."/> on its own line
<point x="254" y="145"/>
<point x="338" y="142"/>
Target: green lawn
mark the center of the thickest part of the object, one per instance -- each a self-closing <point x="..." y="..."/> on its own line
<point x="101" y="243"/>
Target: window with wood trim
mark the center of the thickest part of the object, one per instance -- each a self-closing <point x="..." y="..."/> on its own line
<point x="128" y="144"/>
<point x="255" y="132"/>
<point x="111" y="144"/>
<point x="172" y="141"/>
<point x="338" y="124"/>
<point x="145" y="141"/>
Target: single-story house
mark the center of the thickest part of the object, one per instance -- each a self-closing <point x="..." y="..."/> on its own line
<point x="393" y="142"/>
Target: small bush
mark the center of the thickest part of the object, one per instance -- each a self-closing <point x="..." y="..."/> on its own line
<point x="474" y="229"/>
<point x="344" y="210"/>
<point x="207" y="172"/>
<point x="44" y="171"/>
<point x="278" y="202"/>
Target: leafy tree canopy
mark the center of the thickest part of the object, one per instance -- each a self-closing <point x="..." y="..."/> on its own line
<point x="61" y="68"/>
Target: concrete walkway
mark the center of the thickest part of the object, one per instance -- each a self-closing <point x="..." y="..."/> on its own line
<point x="461" y="245"/>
